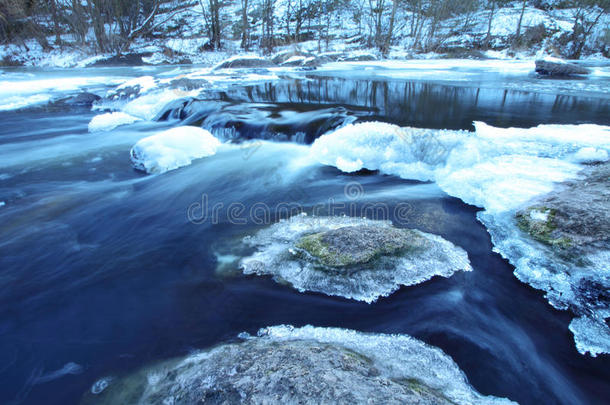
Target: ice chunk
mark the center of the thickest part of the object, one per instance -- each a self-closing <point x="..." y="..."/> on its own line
<point x="590" y="334"/>
<point x="151" y="105"/>
<point x="110" y="121"/>
<point x="280" y="254"/>
<point x="591" y="155"/>
<point x="495" y="168"/>
<point x="172" y="149"/>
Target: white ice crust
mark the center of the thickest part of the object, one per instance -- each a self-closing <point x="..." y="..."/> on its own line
<point x="110" y="121"/>
<point x="174" y="148"/>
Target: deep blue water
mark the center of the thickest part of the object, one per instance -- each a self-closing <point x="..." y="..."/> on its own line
<point x="100" y="267"/>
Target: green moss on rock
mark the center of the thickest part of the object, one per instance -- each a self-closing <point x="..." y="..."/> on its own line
<point x="353" y="245"/>
<point x="539" y="222"/>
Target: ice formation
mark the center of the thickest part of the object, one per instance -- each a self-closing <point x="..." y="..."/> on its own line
<point x="172" y="149"/>
<point x="277" y="254"/>
<point x="110" y="121"/>
<point x="500" y="170"/>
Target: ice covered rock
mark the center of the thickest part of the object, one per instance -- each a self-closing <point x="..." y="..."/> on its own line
<point x="498" y="169"/>
<point x="591" y="155"/>
<point x="578" y="212"/>
<point x="110" y="121"/>
<point x="560" y="243"/>
<point x="83" y="99"/>
<point x="577" y="232"/>
<point x="303" y="365"/>
<point x="244" y="61"/>
<point x="559" y="68"/>
<point x="359" y="57"/>
<point x="355" y="258"/>
<point x="286" y="56"/>
<point x="172" y="149"/>
<point x="359" y="244"/>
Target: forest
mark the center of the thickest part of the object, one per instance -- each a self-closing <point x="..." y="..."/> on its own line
<point x="112" y="26"/>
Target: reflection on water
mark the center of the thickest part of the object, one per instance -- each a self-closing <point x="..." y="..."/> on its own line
<point x="427" y="105"/>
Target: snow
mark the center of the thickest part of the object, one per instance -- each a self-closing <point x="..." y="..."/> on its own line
<point x="144" y="83"/>
<point x="149" y="106"/>
<point x="591" y="155"/>
<point x="498" y="169"/>
<point x="239" y="57"/>
<point x="174" y="148"/>
<point x="542" y="216"/>
<point x="23" y="89"/>
<point x="110" y="121"/>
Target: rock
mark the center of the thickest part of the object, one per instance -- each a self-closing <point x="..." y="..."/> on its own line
<point x="355" y="258"/>
<point x="361" y="244"/>
<point x="301" y="365"/>
<point x="360" y="58"/>
<point x="132" y="59"/>
<point x="282" y="57"/>
<point x="550" y="68"/>
<point x="186" y="83"/>
<point x="171" y="149"/>
<point x="239" y="62"/>
<point x="82" y="100"/>
<point x="576" y="216"/>
<point x="571" y="262"/>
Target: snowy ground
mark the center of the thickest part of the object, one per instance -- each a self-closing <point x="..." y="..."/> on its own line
<point x="188" y="36"/>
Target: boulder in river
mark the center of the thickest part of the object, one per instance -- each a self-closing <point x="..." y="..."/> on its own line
<point x="560" y="68"/>
<point x="290" y="365"/>
<point x="576" y="216"/>
<point x="360" y="244"/>
<point x="238" y="62"/>
<point x="83" y="99"/>
<point x="172" y="149"/>
<point x="572" y="224"/>
<point x="355" y="258"/>
<point x="283" y="57"/>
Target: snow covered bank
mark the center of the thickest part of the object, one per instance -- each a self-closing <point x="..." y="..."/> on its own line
<point x="302" y="365"/>
<point x="171" y="149"/>
<point x="500" y="170"/>
<point x="23" y="89"/>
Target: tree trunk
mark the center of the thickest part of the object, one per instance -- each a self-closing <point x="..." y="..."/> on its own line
<point x="388" y="40"/>
<point x="491" y="17"/>
<point x="245" y="25"/>
<point x="520" y="21"/>
<point x="55" y="15"/>
<point x="98" y="26"/>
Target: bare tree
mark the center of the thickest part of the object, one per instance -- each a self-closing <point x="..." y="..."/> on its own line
<point x="587" y="14"/>
<point x="245" y="23"/>
<point x="518" y="34"/>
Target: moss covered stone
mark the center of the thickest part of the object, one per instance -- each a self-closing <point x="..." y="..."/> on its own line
<point x="352" y="245"/>
<point x="539" y="222"/>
